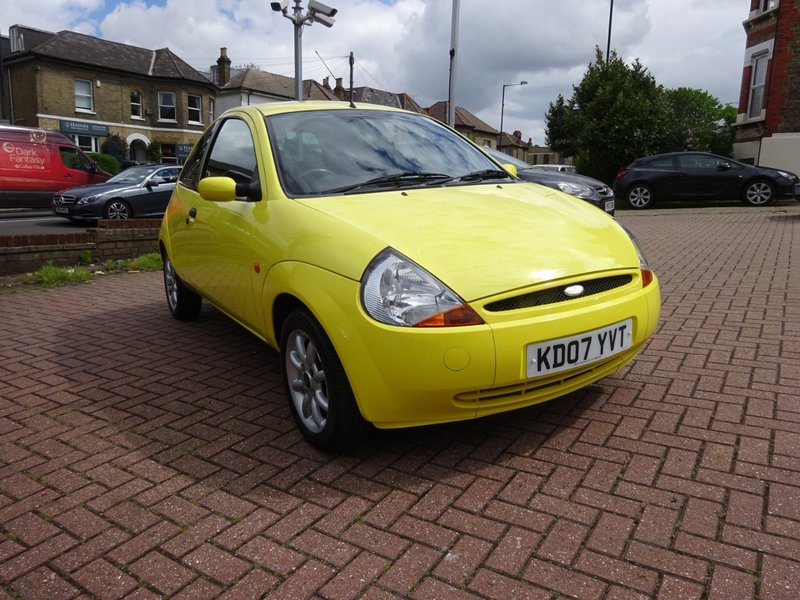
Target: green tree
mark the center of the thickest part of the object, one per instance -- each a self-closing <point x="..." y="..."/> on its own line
<point x="698" y="121"/>
<point x="616" y="113"/>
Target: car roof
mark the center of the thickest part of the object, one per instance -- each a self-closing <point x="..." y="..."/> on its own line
<point x="275" y="108"/>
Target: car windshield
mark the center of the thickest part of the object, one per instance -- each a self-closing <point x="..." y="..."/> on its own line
<point x="504" y="158"/>
<point x="133" y="175"/>
<point x="357" y="151"/>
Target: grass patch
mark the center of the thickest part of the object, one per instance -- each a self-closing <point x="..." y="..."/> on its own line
<point x="50" y="275"/>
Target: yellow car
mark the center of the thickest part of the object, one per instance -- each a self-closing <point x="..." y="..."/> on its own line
<point x="405" y="277"/>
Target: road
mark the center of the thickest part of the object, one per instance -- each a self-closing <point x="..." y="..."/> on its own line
<point x="33" y="222"/>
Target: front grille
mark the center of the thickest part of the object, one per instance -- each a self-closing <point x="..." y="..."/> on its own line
<point x="64" y="200"/>
<point x="556" y="294"/>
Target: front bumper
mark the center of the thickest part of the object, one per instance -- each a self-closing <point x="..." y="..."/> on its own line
<point x="416" y="376"/>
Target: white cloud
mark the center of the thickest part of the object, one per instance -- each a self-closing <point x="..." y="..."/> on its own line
<point x="403" y="46"/>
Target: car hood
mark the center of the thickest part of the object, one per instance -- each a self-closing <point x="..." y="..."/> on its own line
<point x="480" y="240"/>
<point x="98" y="188"/>
<point x="557" y="176"/>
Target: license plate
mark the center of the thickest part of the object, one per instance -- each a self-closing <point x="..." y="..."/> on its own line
<point x="62" y="210"/>
<point x="570" y="352"/>
<point x="609" y="206"/>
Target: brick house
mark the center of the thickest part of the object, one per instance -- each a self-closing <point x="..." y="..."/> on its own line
<point x="243" y="87"/>
<point x="768" y="123"/>
<point x="466" y="124"/>
<point x="90" y="89"/>
<point x="374" y="96"/>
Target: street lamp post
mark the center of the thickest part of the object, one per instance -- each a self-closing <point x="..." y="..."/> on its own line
<point x="503" y="102"/>
<point x="317" y="13"/>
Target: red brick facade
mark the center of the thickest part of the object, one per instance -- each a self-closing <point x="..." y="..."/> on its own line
<point x="771" y="136"/>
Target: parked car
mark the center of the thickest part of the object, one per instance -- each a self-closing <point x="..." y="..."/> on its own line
<point x="554" y="167"/>
<point x="140" y="191"/>
<point x="592" y="190"/>
<point x="405" y="278"/>
<point x="701" y="176"/>
<point x="35" y="163"/>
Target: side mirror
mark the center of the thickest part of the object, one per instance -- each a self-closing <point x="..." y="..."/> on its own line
<point x="225" y="189"/>
<point x="724" y="167"/>
<point x="512" y="170"/>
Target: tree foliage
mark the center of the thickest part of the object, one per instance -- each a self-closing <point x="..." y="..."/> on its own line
<point x="619" y="112"/>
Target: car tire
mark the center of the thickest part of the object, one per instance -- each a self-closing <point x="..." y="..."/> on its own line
<point x="320" y="397"/>
<point x="640" y="196"/>
<point x="758" y="193"/>
<point x="117" y="209"/>
<point x="184" y="304"/>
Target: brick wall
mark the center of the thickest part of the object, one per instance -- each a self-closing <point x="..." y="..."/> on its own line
<point x="110" y="240"/>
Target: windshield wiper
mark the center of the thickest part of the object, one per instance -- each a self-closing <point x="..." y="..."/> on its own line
<point x="395" y="179"/>
<point x="484" y="175"/>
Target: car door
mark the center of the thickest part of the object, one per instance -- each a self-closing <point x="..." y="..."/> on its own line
<point x="75" y="169"/>
<point x="707" y="176"/>
<point x="214" y="243"/>
<point x="153" y="196"/>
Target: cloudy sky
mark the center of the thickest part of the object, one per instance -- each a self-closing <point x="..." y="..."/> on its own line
<point x="403" y="45"/>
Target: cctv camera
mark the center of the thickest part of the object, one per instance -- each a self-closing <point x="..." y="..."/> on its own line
<point x="319" y="7"/>
<point x="327" y="21"/>
<point x="279" y="6"/>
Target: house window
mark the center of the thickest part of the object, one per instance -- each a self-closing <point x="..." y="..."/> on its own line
<point x="83" y="95"/>
<point x="210" y="110"/>
<point x="757" y="86"/>
<point x="194" y="107"/>
<point x="136" y="104"/>
<point x="768" y="4"/>
<point x="87" y="143"/>
<point x="169" y="154"/>
<point x="166" y="106"/>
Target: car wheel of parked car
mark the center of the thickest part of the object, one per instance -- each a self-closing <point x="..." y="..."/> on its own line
<point x="184" y="304"/>
<point x="320" y="396"/>
<point x="117" y="209"/>
<point x="758" y="193"/>
<point x="640" y="196"/>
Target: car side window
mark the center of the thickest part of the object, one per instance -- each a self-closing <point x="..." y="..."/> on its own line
<point x="233" y="153"/>
<point x="192" y="167"/>
<point x="698" y="161"/>
<point x="72" y="158"/>
<point x="661" y="163"/>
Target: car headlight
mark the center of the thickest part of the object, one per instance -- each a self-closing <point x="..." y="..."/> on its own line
<point x="576" y="189"/>
<point x="397" y="291"/>
<point x="787" y="175"/>
<point x="644" y="265"/>
<point x="86" y="200"/>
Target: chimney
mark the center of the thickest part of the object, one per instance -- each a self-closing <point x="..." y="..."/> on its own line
<point x="339" y="90"/>
<point x="223" y="67"/>
<point x="326" y="83"/>
<point x="518" y="135"/>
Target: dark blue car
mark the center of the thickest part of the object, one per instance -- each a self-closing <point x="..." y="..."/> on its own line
<point x="137" y="192"/>
<point x="701" y="176"/>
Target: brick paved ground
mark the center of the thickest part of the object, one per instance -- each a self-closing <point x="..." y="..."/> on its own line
<point x="143" y="458"/>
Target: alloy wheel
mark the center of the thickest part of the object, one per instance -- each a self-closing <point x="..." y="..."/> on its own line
<point x="307" y="383"/>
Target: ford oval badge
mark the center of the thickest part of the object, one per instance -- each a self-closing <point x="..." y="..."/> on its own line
<point x="573" y="291"/>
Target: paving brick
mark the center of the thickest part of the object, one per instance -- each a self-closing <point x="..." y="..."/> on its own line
<point x="728" y="583"/>
<point x="351" y="581"/>
<point x="174" y="469"/>
<point x="617" y="571"/>
<point x="407" y="571"/>
<point x="104" y="580"/>
<point x="565" y="581"/>
<point x="43" y="583"/>
<point x="163" y="573"/>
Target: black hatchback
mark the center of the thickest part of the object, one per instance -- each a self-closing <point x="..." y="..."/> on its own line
<point x="701" y="176"/>
<point x="140" y="191"/>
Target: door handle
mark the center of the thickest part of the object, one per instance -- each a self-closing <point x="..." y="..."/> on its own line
<point x="192" y="215"/>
